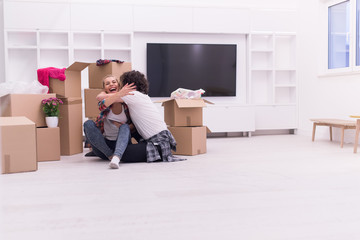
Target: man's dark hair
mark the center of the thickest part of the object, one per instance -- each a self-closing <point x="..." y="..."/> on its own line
<point x="139" y="80"/>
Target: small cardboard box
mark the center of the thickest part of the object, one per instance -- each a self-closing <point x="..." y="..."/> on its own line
<point x="48" y="144"/>
<point x="91" y="104"/>
<point x="97" y="73"/>
<point x="71" y="86"/>
<point x="184" y="112"/>
<point x="190" y="140"/>
<point x="17" y="145"/>
<point x="27" y="105"/>
<point x="70" y="123"/>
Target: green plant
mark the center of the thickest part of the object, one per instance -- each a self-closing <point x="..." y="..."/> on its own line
<point x="51" y="106"/>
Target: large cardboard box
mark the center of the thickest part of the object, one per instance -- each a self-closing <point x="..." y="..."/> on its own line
<point x="91" y="104"/>
<point x="70" y="123"/>
<point x="184" y="112"/>
<point x="71" y="86"/>
<point x="27" y="105"/>
<point x="17" y="145"/>
<point x="190" y="140"/>
<point x="97" y="73"/>
<point x="48" y="144"/>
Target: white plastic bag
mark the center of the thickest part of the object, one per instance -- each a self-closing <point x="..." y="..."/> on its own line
<point x="186" y="93"/>
<point x="33" y="87"/>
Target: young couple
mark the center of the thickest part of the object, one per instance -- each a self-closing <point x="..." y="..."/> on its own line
<point x="127" y="111"/>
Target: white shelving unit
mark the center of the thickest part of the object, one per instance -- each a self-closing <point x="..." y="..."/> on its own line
<point x="26" y="50"/>
<point x="272" y="79"/>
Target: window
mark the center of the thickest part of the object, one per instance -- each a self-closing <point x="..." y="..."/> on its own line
<point x="339" y="35"/>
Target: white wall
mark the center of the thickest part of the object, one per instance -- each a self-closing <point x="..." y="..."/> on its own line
<point x="321" y="96"/>
<point x="2" y="59"/>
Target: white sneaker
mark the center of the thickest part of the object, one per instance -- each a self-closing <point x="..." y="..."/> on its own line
<point x="114" y="164"/>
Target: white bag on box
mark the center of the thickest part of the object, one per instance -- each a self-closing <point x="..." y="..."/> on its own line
<point x="33" y="87"/>
<point x="183" y="93"/>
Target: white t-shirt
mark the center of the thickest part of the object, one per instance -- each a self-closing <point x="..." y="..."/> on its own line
<point x="144" y="114"/>
<point x="111" y="130"/>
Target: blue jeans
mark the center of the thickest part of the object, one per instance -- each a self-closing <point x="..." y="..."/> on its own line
<point x="103" y="147"/>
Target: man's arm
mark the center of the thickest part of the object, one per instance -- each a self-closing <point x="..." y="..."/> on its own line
<point x="117" y="97"/>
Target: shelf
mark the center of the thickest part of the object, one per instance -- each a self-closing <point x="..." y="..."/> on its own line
<point x="22" y="65"/>
<point x="113" y="40"/>
<point x="53" y="39"/>
<point x="262" y="41"/>
<point x="261" y="60"/>
<point x="86" y="40"/>
<point x="87" y="55"/>
<point x="53" y="58"/>
<point x="22" y="47"/>
<point x="21" y="39"/>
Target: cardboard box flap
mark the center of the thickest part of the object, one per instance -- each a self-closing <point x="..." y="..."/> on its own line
<point x="77" y="66"/>
<point x="190" y="103"/>
<point x="11" y="121"/>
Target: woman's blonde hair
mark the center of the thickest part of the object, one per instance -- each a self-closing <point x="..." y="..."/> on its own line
<point x="107" y="76"/>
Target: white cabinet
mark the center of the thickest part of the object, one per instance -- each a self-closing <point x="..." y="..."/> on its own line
<point x="26" y="51"/>
<point x="36" y="15"/>
<point x="229" y="118"/>
<point x="102" y="16"/>
<point x="275" y="117"/>
<point x="163" y="19"/>
<point x="272" y="79"/>
<point x="221" y="20"/>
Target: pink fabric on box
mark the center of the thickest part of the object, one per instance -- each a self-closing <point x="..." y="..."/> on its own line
<point x="44" y="74"/>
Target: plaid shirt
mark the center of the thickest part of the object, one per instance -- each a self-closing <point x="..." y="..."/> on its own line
<point x="166" y="142"/>
<point x="104" y="111"/>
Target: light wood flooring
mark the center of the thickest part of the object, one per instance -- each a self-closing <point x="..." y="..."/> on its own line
<point x="275" y="187"/>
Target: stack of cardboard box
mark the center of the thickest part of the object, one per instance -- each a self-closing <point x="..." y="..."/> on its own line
<point x="96" y="75"/>
<point x="70" y="119"/>
<point x="184" y="118"/>
<point x="20" y="152"/>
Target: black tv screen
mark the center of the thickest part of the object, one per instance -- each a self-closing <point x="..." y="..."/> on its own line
<point x="211" y="67"/>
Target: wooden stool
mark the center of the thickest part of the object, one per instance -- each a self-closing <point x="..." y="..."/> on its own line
<point x="357" y="132"/>
<point x="343" y="124"/>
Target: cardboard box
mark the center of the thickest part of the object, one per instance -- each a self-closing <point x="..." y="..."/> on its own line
<point x="48" y="144"/>
<point x="70" y="123"/>
<point x="27" y="105"/>
<point x="91" y="104"/>
<point x="190" y="140"/>
<point x="17" y="145"/>
<point x="97" y="73"/>
<point x="184" y="112"/>
<point x="71" y="86"/>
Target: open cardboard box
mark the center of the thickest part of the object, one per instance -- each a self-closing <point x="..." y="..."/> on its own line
<point x="184" y="112"/>
<point x="71" y="86"/>
<point x="27" y="105"/>
<point x="97" y="73"/>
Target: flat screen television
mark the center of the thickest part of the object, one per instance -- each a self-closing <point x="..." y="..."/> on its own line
<point x="211" y="67"/>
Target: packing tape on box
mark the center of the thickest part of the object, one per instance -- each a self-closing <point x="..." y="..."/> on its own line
<point x="188" y="120"/>
<point x="7" y="163"/>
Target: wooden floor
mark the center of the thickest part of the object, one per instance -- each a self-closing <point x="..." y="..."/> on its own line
<point x="279" y="187"/>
